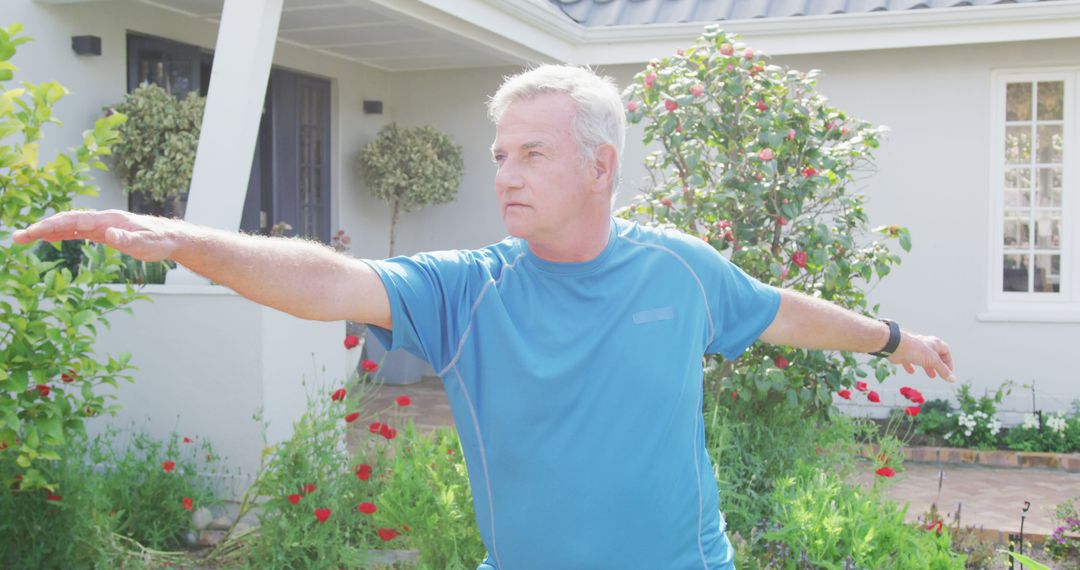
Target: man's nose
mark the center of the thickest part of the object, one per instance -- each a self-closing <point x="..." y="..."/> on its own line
<point x="509" y="175"/>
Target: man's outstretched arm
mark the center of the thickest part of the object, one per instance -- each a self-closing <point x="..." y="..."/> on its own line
<point x="806" y="322"/>
<point x="298" y="277"/>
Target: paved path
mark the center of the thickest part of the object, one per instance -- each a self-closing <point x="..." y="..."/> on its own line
<point x="991" y="498"/>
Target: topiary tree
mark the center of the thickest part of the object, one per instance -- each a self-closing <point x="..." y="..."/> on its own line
<point x="751" y="158"/>
<point x="49" y="375"/>
<point x="156" y="153"/>
<point x="410" y="169"/>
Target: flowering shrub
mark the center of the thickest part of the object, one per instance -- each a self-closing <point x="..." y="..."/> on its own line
<point x="975" y="425"/>
<point x="1047" y="432"/>
<point x="754" y="161"/>
<point x="1064" y="541"/>
<point x="49" y="375"/>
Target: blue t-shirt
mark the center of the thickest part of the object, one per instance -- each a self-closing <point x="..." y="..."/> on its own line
<point x="576" y="389"/>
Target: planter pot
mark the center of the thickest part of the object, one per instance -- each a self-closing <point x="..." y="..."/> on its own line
<point x="396" y="367"/>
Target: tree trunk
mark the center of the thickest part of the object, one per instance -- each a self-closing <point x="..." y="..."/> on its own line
<point x="393" y="226"/>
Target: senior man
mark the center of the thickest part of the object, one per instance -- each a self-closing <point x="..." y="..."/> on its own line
<point x="571" y="351"/>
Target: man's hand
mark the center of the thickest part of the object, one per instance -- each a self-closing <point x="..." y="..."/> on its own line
<point x="142" y="237"/>
<point x="927" y="352"/>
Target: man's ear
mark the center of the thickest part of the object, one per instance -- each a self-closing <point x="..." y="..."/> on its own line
<point x="604" y="168"/>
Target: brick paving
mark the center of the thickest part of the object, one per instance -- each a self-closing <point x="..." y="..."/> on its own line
<point x="990" y="498"/>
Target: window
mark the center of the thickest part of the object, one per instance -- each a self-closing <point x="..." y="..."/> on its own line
<point x="1034" y="194"/>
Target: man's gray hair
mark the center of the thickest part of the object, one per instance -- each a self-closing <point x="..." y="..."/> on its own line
<point x="600" y="118"/>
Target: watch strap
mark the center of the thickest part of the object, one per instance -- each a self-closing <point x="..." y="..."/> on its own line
<point x="894" y="339"/>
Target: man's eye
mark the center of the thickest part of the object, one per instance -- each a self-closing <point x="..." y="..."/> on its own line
<point x="499" y="158"/>
<point x="535" y="154"/>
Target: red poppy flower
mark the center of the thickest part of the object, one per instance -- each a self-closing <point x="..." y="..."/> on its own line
<point x="294" y="498"/>
<point x="52" y="497"/>
<point x="886" y="472"/>
<point x="309" y="488"/>
<point x="43" y="390"/>
<point x="873" y="397"/>
<point x="861" y="386"/>
<point x="322" y="514"/>
<point x="403" y="401"/>
<point x="188" y="503"/>
<point x="351" y="341"/>
<point x="449" y="451"/>
<point x="168" y="465"/>
<point x="188" y="439"/>
<point x="845" y="394"/>
<point x="338" y="395"/>
<point x="936" y="523"/>
<point x="363" y="472"/>
<point x="734" y="396"/>
<point x="762" y="106"/>
<point x="388" y="534"/>
<point x="781" y="362"/>
<point x="809" y="171"/>
<point x="918" y="399"/>
<point x="369" y="365"/>
<point x="352" y="417"/>
<point x="387" y="431"/>
<point x="69" y="376"/>
<point x="912" y="410"/>
<point x="366" y="508"/>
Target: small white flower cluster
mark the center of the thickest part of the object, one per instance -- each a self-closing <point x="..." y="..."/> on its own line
<point x="1030" y="421"/>
<point x="1056" y="423"/>
<point x="968" y="422"/>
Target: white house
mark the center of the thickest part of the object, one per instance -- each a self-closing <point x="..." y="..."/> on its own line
<point x="995" y="268"/>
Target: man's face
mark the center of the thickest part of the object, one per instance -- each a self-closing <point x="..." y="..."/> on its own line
<point x="541" y="178"/>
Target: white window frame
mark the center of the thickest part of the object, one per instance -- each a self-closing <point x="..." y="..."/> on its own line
<point x="1063" y="306"/>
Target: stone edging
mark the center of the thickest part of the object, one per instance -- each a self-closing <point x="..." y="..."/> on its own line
<point x="994" y="458"/>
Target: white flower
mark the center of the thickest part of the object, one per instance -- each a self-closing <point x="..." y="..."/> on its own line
<point x="1056" y="423"/>
<point x="1030" y="421"/>
<point x="995" y="426"/>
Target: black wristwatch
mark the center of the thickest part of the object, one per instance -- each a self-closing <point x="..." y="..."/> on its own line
<point x="894" y="340"/>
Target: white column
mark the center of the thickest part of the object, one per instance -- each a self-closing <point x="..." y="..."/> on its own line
<point x="230" y="127"/>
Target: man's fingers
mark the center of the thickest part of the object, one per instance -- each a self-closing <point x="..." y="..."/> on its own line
<point x="72" y="225"/>
<point x="910" y="369"/>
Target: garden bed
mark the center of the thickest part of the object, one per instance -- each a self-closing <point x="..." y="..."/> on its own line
<point x="994" y="458"/>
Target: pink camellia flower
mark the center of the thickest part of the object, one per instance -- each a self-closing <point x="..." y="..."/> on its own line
<point x="762" y="106"/>
<point x="781" y="220"/>
<point x="730" y="68"/>
<point x="748" y="54"/>
<point x="338" y="395"/>
<point x="781" y="362"/>
<point x="666" y="202"/>
<point x="69" y="376"/>
<point x="369" y="365"/>
<point x="187" y="503"/>
<point x="861" y="386"/>
<point x="631" y="106"/>
<point x="845" y="394"/>
<point x="366" y="508"/>
<point x="322" y="515"/>
<point x="680" y="52"/>
<point x="727" y="49"/>
<point x="670" y="104"/>
<point x="403" y="400"/>
<point x="294" y="498"/>
<point x="791" y="135"/>
<point x="799" y="259"/>
<point x="765" y="154"/>
<point x="697" y="90"/>
<point x="650" y="78"/>
<point x="873" y="397"/>
<point x="168" y="465"/>
<point x="351" y="341"/>
<point x="352" y="417"/>
<point x="912" y="410"/>
<point x="886" y="472"/>
<point x="809" y="171"/>
<point x="784" y="272"/>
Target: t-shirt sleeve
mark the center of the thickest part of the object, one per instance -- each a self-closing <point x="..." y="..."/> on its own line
<point x="427" y="295"/>
<point x="741" y="307"/>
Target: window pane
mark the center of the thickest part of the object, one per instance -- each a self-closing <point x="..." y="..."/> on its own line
<point x="1015" y="274"/>
<point x="1049" y="189"/>
<point x="1048" y="230"/>
<point x="1017" y="229"/>
<point x="1051" y="100"/>
<point x="1018" y="187"/>
<point x="1018" y="144"/>
<point x="1047" y="273"/>
<point x="1018" y="102"/>
<point x="1051" y="141"/>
